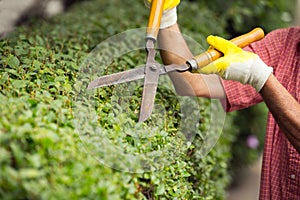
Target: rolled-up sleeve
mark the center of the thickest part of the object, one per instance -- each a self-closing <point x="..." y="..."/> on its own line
<point x="239" y="96"/>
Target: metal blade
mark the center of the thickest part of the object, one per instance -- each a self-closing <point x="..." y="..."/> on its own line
<point x="131" y="75"/>
<point x="121" y="77"/>
<point x="149" y="91"/>
<point x="152" y="71"/>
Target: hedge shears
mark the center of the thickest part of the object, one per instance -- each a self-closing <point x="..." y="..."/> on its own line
<point x="152" y="69"/>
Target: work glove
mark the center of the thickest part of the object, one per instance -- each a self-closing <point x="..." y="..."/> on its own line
<point x="169" y="16"/>
<point x="237" y="64"/>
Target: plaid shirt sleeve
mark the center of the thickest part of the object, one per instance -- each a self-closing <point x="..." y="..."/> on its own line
<point x="280" y="175"/>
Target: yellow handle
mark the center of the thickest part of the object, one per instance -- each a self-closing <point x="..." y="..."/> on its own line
<point x="210" y="55"/>
<point x="154" y="18"/>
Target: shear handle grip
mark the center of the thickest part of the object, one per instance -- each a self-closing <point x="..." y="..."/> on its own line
<point x="155" y="15"/>
<point x="211" y="55"/>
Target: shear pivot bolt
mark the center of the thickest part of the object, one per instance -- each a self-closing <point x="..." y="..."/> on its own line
<point x="153" y="67"/>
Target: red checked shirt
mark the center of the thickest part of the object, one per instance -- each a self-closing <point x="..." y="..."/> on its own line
<point x="280" y="49"/>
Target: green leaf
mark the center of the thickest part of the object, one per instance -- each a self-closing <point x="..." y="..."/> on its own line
<point x="67" y="87"/>
<point x="4" y="77"/>
<point x="37" y="64"/>
<point x="160" y="189"/>
<point x="18" y="154"/>
<point x="35" y="160"/>
<point x="5" y="156"/>
<point x="46" y="136"/>
<point x="13" y="72"/>
<point x="30" y="173"/>
<point x="19" y="83"/>
<point x="60" y="79"/>
<point x="13" y="61"/>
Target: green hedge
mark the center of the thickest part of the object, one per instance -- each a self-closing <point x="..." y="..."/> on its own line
<point x="42" y="154"/>
<point x="240" y="15"/>
<point x="42" y="83"/>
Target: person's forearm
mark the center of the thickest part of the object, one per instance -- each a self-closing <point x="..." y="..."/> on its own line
<point x="284" y="108"/>
<point x="174" y="50"/>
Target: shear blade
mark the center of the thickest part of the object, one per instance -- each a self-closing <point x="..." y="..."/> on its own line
<point x="150" y="72"/>
<point x="149" y="91"/>
<point x="117" y="78"/>
<point x="147" y="101"/>
<point x="131" y="75"/>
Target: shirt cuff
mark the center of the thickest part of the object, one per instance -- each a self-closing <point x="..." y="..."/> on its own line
<point x="239" y="96"/>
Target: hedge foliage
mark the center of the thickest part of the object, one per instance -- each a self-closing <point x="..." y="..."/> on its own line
<point x="43" y="153"/>
<point x="50" y="151"/>
<point x="240" y="15"/>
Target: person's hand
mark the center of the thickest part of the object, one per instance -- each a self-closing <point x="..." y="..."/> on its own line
<point x="237" y="64"/>
<point x="169" y="16"/>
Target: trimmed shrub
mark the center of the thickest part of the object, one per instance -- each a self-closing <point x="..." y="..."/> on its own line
<point x="44" y="156"/>
<point x="48" y="153"/>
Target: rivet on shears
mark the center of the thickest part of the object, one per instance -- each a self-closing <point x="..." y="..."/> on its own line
<point x="153" y="67"/>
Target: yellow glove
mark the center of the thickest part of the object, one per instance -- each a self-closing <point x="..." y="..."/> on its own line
<point x="237" y="64"/>
<point x="169" y="16"/>
<point x="168" y="3"/>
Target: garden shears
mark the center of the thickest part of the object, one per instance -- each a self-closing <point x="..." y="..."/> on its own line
<point x="152" y="69"/>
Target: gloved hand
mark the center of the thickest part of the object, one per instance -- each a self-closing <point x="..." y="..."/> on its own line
<point x="169" y="16"/>
<point x="237" y="64"/>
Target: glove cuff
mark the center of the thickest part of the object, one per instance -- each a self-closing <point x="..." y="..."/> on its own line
<point x="259" y="74"/>
<point x="169" y="17"/>
<point x="253" y="72"/>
